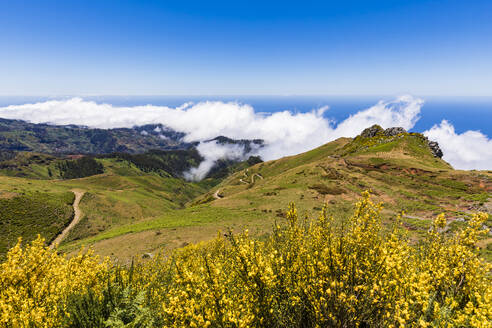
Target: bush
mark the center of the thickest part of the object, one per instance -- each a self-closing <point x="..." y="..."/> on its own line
<point x="35" y="283"/>
<point x="307" y="274"/>
<point x="119" y="305"/>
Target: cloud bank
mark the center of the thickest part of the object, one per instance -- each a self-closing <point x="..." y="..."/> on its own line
<point x="466" y="151"/>
<point x="285" y="133"/>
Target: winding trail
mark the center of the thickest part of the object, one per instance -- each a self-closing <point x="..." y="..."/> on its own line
<point x="217" y="196"/>
<point x="256" y="175"/>
<point x="245" y="173"/>
<point x="76" y="218"/>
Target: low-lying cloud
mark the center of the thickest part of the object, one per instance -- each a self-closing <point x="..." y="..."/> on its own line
<point x="285" y="132"/>
<point x="213" y="151"/>
<point x="466" y="151"/>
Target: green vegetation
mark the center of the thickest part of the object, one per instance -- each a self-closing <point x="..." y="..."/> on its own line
<point x="306" y="273"/>
<point x="327" y="190"/>
<point x="172" y="162"/>
<point x="18" y="135"/>
<point x="122" y="195"/>
<point x="80" y="168"/>
<point x="29" y="165"/>
<point x="30" y="214"/>
<point x="190" y="217"/>
<point x="141" y="204"/>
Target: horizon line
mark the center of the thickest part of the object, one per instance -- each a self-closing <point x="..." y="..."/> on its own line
<point x="240" y="95"/>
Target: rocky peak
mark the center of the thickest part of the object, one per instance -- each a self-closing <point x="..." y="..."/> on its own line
<point x="394" y="131"/>
<point x="372" y="131"/>
<point x="376" y="130"/>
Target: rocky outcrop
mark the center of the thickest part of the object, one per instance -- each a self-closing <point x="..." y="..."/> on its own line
<point x="372" y="131"/>
<point x="376" y="130"/>
<point x="390" y="132"/>
<point x="434" y="147"/>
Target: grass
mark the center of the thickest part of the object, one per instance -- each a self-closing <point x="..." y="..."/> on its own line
<point x="324" y="189"/>
<point x="115" y="200"/>
<point x="193" y="216"/>
<point x="30" y="214"/>
<point x="111" y="200"/>
<point x="486" y="252"/>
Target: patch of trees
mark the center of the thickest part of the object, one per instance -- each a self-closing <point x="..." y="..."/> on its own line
<point x="7" y="155"/>
<point x="80" y="168"/>
<point x="252" y="160"/>
<point x="174" y="162"/>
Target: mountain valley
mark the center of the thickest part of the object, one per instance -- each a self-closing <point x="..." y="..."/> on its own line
<point x="139" y="203"/>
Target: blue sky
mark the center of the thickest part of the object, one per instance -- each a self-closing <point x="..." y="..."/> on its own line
<point x="245" y="47"/>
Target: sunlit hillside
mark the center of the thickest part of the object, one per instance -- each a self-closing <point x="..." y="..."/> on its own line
<point x="136" y="207"/>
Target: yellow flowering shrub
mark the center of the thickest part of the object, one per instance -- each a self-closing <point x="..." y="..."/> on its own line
<point x="35" y="281"/>
<point x="306" y="273"/>
<point x="317" y="274"/>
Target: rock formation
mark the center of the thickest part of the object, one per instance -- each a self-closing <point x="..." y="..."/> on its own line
<point x="376" y="130"/>
<point x="434" y="147"/>
<point x="372" y="131"/>
<point x="394" y="131"/>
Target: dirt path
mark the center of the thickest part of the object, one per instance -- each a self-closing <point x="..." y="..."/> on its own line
<point x="216" y="194"/>
<point x="255" y="175"/>
<point x="76" y="218"/>
<point x="252" y="177"/>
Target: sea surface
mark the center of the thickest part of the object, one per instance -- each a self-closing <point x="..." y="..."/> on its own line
<point x="464" y="113"/>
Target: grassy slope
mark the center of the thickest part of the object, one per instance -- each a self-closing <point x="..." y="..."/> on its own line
<point x="122" y="195"/>
<point x="28" y="214"/>
<point x="400" y="171"/>
<point x="128" y="212"/>
<point x="30" y="165"/>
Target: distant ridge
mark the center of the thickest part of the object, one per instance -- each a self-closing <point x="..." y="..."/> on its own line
<point x="16" y="135"/>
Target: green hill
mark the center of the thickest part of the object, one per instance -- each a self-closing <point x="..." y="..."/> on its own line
<point x="140" y="205"/>
<point x="120" y="189"/>
<point x="122" y="194"/>
<point x="400" y="170"/>
<point x="28" y="214"/>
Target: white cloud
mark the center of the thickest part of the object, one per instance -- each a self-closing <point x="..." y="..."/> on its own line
<point x="403" y="112"/>
<point x="285" y="133"/>
<point x="212" y="151"/>
<point x="468" y="150"/>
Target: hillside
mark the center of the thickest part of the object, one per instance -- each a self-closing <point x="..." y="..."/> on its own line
<point x="18" y="135"/>
<point x="329" y="260"/>
<point x="120" y="189"/>
<point x="29" y="213"/>
<point x="401" y="171"/>
<point x="122" y="194"/>
<point x="139" y="203"/>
